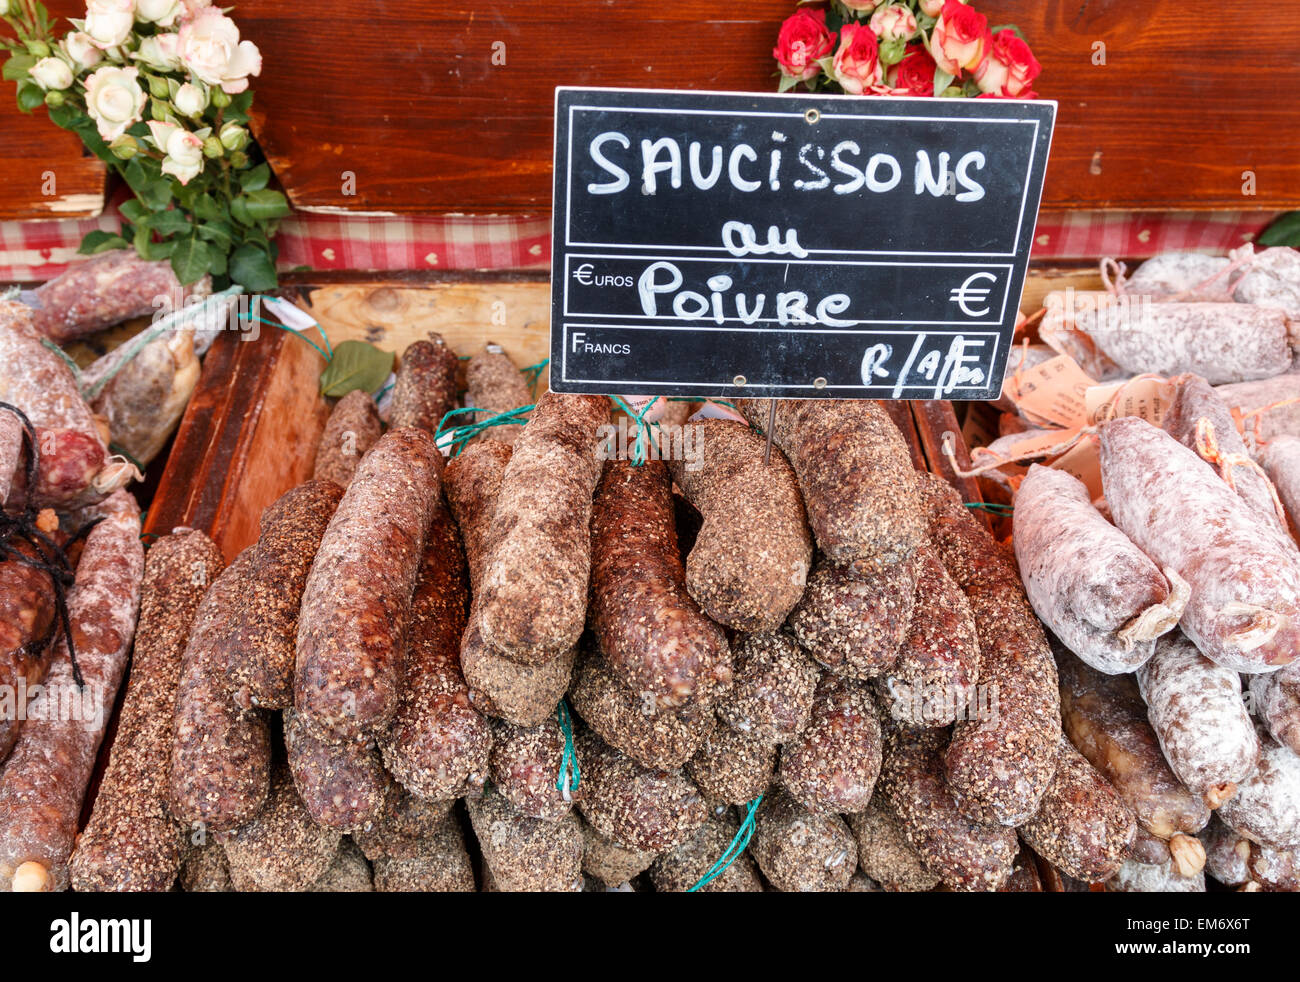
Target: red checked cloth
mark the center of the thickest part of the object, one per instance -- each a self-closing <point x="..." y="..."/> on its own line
<point x="35" y="251"/>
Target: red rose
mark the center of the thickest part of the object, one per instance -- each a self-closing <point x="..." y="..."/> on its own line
<point x="803" y="39"/>
<point x="960" y="39"/>
<point x="1010" y="68"/>
<point x="857" y="62"/>
<point x="914" y="75"/>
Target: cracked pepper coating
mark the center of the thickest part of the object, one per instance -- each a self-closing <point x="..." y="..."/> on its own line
<point x="855" y="472"/>
<point x="352" y="429"/>
<point x="425" y="390"/>
<point x="525" y="768"/>
<point x="853" y="623"/>
<point x="131" y="843"/>
<point x="532" y="594"/>
<point x="772" y="696"/>
<point x="654" y="636"/>
<point x="258" y="657"/>
<point x="644" y="809"/>
<point x="683" y="866"/>
<point x="352" y="628"/>
<point x="608" y="861"/>
<point x="438" y="743"/>
<point x="348" y="872"/>
<point x="342" y="785"/>
<point x="1082" y="826"/>
<point x="442" y="865"/>
<point x="732" y="767"/>
<point x="525" y="854"/>
<point x="965" y="854"/>
<point x="403" y="824"/>
<point x="1001" y="761"/>
<point x="282" y="848"/>
<point x="628" y="721"/>
<point x="751" y="558"/>
<point x="221" y="755"/>
<point x="938" y="664"/>
<point x="1106" y="721"/>
<point x="832" y="765"/>
<point x="800" y="852"/>
<point x="884" y="853"/>
<point x="523" y="694"/>
<point x="494" y="385"/>
<point x="205" y="869"/>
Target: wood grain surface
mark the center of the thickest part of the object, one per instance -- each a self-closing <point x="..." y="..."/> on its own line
<point x="405" y="95"/>
<point x="425" y="107"/>
<point x="45" y="172"/>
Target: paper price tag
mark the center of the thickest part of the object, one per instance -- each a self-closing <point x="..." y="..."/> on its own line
<point x="1054" y="391"/>
<point x="1148" y="399"/>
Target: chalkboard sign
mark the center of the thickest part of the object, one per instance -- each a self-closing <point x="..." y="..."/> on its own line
<point x="725" y="244"/>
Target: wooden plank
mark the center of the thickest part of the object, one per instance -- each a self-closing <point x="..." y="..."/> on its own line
<point x="901" y="414"/>
<point x="47" y="172"/>
<point x="432" y="124"/>
<point x="936" y="424"/>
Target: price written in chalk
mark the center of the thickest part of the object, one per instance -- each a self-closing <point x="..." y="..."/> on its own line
<point x="716" y="244"/>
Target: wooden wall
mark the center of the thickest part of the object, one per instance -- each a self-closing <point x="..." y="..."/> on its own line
<point x="404" y="95"/>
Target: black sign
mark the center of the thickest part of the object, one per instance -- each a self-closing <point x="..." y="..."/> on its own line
<point x="724" y="244"/>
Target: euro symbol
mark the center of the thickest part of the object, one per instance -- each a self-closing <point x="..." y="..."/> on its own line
<point x="965" y="294"/>
<point x="583" y="273"/>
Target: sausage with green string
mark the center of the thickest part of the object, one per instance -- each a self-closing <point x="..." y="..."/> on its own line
<point x="529" y="769"/>
<point x="425" y="390"/>
<point x="494" y="385"/>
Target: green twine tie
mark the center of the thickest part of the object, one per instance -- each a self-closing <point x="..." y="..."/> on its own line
<point x="461" y="435"/>
<point x="991" y="506"/>
<point x="534" y="372"/>
<point x="642" y="428"/>
<point x="570" y="775"/>
<point x="739" y="843"/>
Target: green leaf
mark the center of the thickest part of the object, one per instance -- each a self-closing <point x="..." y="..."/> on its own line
<point x="252" y="269"/>
<point x="255" y="179"/>
<point x="133" y="211"/>
<point x="100" y="241"/>
<point x="1013" y="28"/>
<point x="207" y="209"/>
<point x="217" y="265"/>
<point x="30" y="95"/>
<point x="239" y="210"/>
<point x="220" y="234"/>
<point x="191" y="258"/>
<point x="64" y="116"/>
<point x="265" y="205"/>
<point x="167" y="222"/>
<point x="17" y="67"/>
<point x="941" y="80"/>
<point x="241" y="103"/>
<point x="355" y="365"/>
<point x="146" y="248"/>
<point x="1285" y="231"/>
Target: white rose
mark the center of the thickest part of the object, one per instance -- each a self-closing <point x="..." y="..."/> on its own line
<point x="894" y="23"/>
<point x="160" y="52"/>
<point x="160" y="12"/>
<point x="109" y="22"/>
<point x="210" y="48"/>
<point x="184" y="155"/>
<point x="52" y="73"/>
<point x="190" y="99"/>
<point x="114" y="100"/>
<point x="81" y="49"/>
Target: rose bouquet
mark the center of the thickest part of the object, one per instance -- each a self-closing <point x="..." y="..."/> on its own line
<point x="903" y="47"/>
<point x="158" y="90"/>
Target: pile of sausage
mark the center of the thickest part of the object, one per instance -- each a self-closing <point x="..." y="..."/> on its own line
<point x="1174" y="605"/>
<point x="595" y="671"/>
